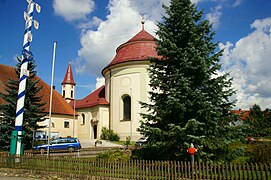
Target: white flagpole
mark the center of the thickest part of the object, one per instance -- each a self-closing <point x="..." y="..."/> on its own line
<point x="51" y="97"/>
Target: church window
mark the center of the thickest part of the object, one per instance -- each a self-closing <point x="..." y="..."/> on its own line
<point x="71" y="94"/>
<point x="126" y="107"/>
<point x="63" y="93"/>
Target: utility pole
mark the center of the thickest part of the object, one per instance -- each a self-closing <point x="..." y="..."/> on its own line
<point x="16" y="146"/>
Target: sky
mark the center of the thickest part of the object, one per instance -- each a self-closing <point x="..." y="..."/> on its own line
<point x="88" y="32"/>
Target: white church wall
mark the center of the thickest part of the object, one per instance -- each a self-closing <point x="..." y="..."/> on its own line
<point x="83" y="125"/>
<point x="103" y="119"/>
<point x="131" y="80"/>
<point x="98" y="116"/>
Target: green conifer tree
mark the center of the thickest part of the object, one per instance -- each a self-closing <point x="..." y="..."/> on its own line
<point x="189" y="102"/>
<point x="33" y="108"/>
<point x="258" y="123"/>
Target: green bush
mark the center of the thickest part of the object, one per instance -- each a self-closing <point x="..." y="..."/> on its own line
<point x="128" y="141"/>
<point x="39" y="142"/>
<point x="108" y="134"/>
<point x="260" y="152"/>
<point x="113" y="155"/>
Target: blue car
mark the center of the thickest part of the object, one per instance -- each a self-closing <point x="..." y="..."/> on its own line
<point x="70" y="144"/>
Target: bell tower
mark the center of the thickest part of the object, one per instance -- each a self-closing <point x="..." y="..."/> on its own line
<point x="68" y="85"/>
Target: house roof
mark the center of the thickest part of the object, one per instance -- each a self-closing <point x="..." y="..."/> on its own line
<point x="59" y="105"/>
<point x="243" y="114"/>
<point x="68" y="79"/>
<point x="138" y="48"/>
<point x="97" y="97"/>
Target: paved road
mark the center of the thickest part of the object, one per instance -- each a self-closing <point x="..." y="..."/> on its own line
<point x="91" y="143"/>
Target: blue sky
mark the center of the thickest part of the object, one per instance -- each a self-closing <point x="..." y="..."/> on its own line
<point x="88" y="32"/>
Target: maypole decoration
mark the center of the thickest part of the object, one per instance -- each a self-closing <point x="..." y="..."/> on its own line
<point x="16" y="146"/>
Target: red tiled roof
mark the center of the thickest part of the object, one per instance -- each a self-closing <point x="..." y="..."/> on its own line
<point x="6" y="72"/>
<point x="243" y="114"/>
<point x="59" y="105"/>
<point x="68" y="79"/>
<point x="138" y="48"/>
<point x="97" y="97"/>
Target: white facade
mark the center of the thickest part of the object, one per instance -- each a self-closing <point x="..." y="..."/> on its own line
<point x="90" y="122"/>
<point x="126" y="79"/>
<point x="68" y="91"/>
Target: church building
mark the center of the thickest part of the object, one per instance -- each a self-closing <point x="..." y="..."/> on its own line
<point x="116" y="105"/>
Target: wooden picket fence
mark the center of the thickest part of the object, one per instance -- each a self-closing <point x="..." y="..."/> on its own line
<point x="83" y="168"/>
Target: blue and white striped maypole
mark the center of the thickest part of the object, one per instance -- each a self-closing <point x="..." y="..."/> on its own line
<point x="16" y="138"/>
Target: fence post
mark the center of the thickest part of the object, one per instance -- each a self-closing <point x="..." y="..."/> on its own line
<point x="258" y="175"/>
<point x="248" y="170"/>
<point x="11" y="161"/>
<point x="266" y="171"/>
<point x="178" y="169"/>
<point x="239" y="170"/>
<point x="252" y="170"/>
<point x="175" y="170"/>
<point x="196" y="170"/>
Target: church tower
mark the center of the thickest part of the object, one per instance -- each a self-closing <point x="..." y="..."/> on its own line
<point x="68" y="85"/>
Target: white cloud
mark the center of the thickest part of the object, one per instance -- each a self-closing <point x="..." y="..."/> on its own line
<point x="151" y="9"/>
<point x="232" y="3"/>
<point x="196" y="1"/>
<point x="122" y="22"/>
<point x="72" y="10"/>
<point x="237" y="3"/>
<point x="100" y="81"/>
<point x="248" y="60"/>
<point x="215" y="13"/>
<point x="214" y="16"/>
<point x="93" y="23"/>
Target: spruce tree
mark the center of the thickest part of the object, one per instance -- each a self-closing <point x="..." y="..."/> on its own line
<point x="258" y="123"/>
<point x="189" y="102"/>
<point x="33" y="107"/>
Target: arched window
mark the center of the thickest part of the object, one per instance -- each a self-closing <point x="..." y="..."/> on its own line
<point x="71" y="94"/>
<point x="63" y="93"/>
<point x="126" y="107"/>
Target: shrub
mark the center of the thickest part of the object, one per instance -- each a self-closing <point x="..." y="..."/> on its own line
<point x="128" y="141"/>
<point x="113" y="155"/>
<point x="108" y="134"/>
<point x="260" y="152"/>
<point x="39" y="142"/>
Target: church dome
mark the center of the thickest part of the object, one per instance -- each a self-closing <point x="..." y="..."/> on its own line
<point x="138" y="48"/>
